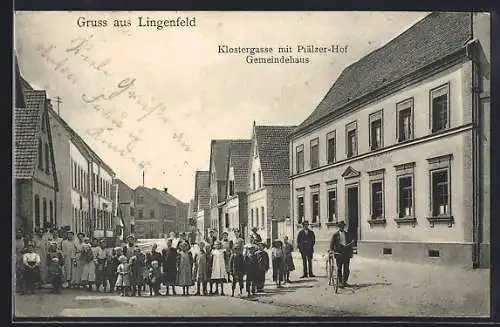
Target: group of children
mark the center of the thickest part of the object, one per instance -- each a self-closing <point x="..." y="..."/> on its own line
<point x="128" y="270"/>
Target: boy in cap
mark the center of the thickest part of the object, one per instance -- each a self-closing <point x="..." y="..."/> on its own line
<point x="112" y="267"/>
<point x="263" y="266"/>
<point x="251" y="268"/>
<point x="237" y="268"/>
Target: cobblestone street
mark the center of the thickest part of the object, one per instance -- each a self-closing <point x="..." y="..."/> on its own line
<point x="378" y="288"/>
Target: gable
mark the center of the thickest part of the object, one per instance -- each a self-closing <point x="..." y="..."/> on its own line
<point x="350" y="172"/>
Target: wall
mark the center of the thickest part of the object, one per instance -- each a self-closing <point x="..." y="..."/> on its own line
<point x="24" y="205"/>
<point x="147" y="227"/>
<point x="256" y="201"/>
<point x="278" y="200"/>
<point x="44" y="192"/>
<point x="81" y="217"/>
<point x="61" y="143"/>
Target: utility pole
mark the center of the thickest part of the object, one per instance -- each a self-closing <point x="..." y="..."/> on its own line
<point x="58" y="100"/>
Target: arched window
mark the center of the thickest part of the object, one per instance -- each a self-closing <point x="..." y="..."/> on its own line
<point x="37" y="211"/>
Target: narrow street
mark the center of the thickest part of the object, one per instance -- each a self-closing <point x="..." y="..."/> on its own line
<point x="378" y="288"/>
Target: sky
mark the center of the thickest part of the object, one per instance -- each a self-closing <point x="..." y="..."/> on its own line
<point x="151" y="100"/>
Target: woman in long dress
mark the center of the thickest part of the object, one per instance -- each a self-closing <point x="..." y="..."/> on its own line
<point x="76" y="279"/>
<point x="69" y="254"/>
<point x="185" y="268"/>
<point x="218" y="267"/>
<point x="88" y="270"/>
<point x="40" y="248"/>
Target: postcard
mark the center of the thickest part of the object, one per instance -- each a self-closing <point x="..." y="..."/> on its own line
<point x="251" y="164"/>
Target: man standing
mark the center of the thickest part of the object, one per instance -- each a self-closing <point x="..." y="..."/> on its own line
<point x="211" y="238"/>
<point x="305" y="242"/>
<point x="255" y="238"/>
<point x="342" y="245"/>
<point x="69" y="255"/>
<point x="128" y="250"/>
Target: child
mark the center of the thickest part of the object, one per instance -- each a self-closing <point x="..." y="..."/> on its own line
<point x="88" y="270"/>
<point x="54" y="267"/>
<point x="251" y="268"/>
<point x="169" y="257"/>
<point x="287" y="252"/>
<point x="101" y="261"/>
<point x="123" y="278"/>
<point x="227" y="246"/>
<point x="112" y="266"/>
<point x="185" y="268"/>
<point x="31" y="269"/>
<point x="263" y="266"/>
<point x="210" y="261"/>
<point x="154" y="278"/>
<point x="278" y="258"/>
<point x="138" y="271"/>
<point x="218" y="267"/>
<point x="200" y="269"/>
<point x="237" y="265"/>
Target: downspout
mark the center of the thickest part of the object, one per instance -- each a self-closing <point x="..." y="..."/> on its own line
<point x="476" y="173"/>
<point x="292" y="204"/>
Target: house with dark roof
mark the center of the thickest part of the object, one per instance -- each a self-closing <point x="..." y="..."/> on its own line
<point x="34" y="172"/>
<point x="235" y="209"/>
<point x="202" y="201"/>
<point x="219" y="154"/>
<point x="158" y="213"/>
<point x="268" y="185"/>
<point x="126" y="208"/>
<point x="398" y="148"/>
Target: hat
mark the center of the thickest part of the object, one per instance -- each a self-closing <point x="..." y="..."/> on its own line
<point x="122" y="258"/>
<point x="250" y="246"/>
<point x="117" y="248"/>
<point x="276" y="241"/>
<point x="70" y="232"/>
<point x="305" y="222"/>
<point x="130" y="237"/>
<point x="254" y="229"/>
<point x="55" y="259"/>
<point x="80" y="233"/>
<point x="341" y="223"/>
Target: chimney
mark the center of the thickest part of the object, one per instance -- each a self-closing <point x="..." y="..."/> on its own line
<point x="165" y="190"/>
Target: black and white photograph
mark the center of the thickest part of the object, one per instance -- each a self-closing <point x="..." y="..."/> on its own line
<point x="251" y="164"/>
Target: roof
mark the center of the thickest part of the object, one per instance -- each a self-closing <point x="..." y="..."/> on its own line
<point x="19" y="96"/>
<point x="202" y="189"/>
<point x="219" y="153"/>
<point x="125" y="193"/>
<point x="27" y="128"/>
<point x="273" y="151"/>
<point x="79" y="142"/>
<point x="432" y="38"/>
<point x="161" y="196"/>
<point x="239" y="159"/>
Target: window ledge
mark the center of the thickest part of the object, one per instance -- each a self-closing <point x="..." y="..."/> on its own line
<point x="332" y="224"/>
<point x="312" y="225"/>
<point x="377" y="221"/>
<point x="406" y="221"/>
<point x="441" y="220"/>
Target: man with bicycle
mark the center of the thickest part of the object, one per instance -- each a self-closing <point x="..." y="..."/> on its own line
<point x="341" y="245"/>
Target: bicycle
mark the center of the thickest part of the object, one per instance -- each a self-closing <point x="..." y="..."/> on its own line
<point x="331" y="271"/>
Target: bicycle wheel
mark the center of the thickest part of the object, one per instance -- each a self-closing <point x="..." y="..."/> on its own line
<point x="335" y="279"/>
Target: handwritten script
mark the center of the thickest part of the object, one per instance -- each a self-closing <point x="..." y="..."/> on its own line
<point x="141" y="108"/>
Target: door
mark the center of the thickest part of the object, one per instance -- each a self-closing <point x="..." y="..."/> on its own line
<point x="353" y="213"/>
<point x="274" y="230"/>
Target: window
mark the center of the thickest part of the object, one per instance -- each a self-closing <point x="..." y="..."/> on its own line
<point x="37" y="211"/>
<point x="231" y="188"/>
<point x="262" y="216"/>
<point x="139" y="212"/>
<point x="131" y="211"/>
<point x="440" y="193"/>
<point x="140" y="199"/>
<point x="351" y="140"/>
<point x="44" y="204"/>
<point x="315" y="208"/>
<point x="300" y="159"/>
<point x="376" y="137"/>
<point x="226" y="218"/>
<point x="404" y="124"/>
<point x="301" y="212"/>
<point x="260" y="178"/>
<point x="377" y="199"/>
<point x="440" y="108"/>
<point x="253" y="181"/>
<point x="151" y="213"/>
<point x="405" y="196"/>
<point x="331" y="147"/>
<point x="40" y="155"/>
<point x="257" y="217"/>
<point x="44" y="125"/>
<point x="314" y="153"/>
<point x="47" y="159"/>
<point x="332" y="205"/>
<point x="251" y="216"/>
<point x="132" y="228"/>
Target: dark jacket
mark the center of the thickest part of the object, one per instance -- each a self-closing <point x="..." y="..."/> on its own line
<point x="306" y="242"/>
<point x="335" y="246"/>
<point x="169" y="265"/>
<point x="251" y="266"/>
<point x="237" y="264"/>
<point x="263" y="260"/>
<point x="154" y="256"/>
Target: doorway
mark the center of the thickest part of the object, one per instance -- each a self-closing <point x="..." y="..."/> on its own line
<point x="353" y="212"/>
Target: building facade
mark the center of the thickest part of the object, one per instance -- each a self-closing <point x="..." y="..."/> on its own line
<point x="202" y="201"/>
<point x="35" y="174"/>
<point x="268" y="187"/>
<point x="126" y="207"/>
<point x="403" y="156"/>
<point x="235" y="209"/>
